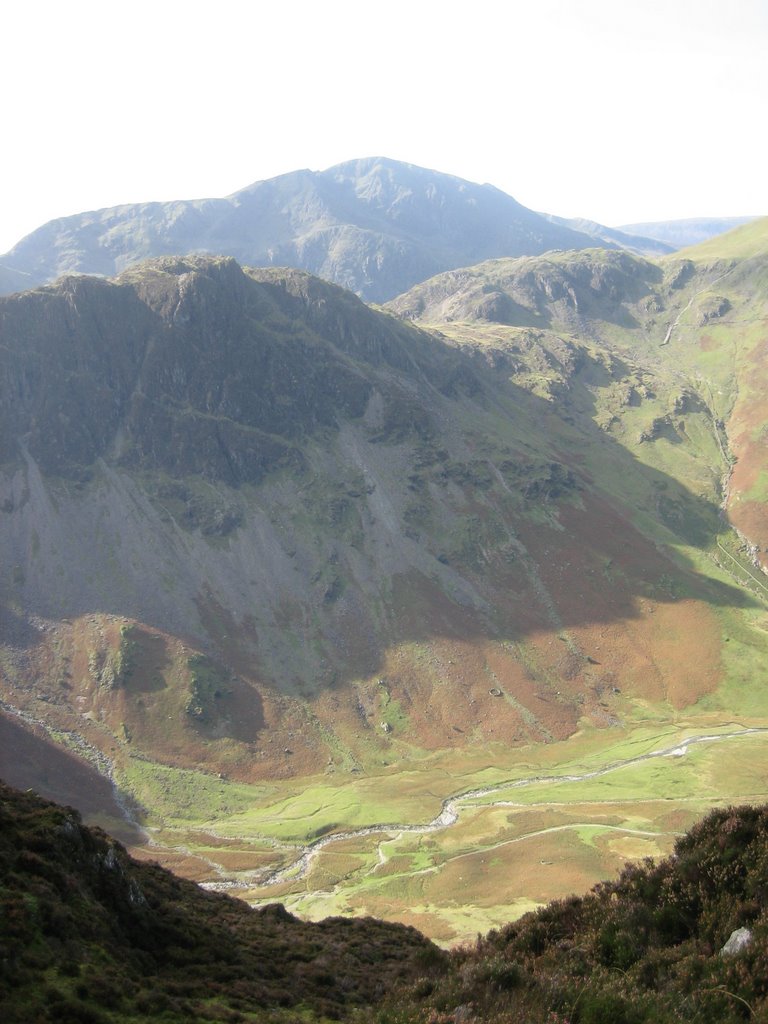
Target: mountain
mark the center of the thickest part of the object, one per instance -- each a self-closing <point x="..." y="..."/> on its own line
<point x="431" y="612"/>
<point x="177" y="437"/>
<point x="680" y="233"/>
<point x="692" y="308"/>
<point x="374" y="226"/>
<point x="14" y="281"/>
<point x="612" y="238"/>
<point x="557" y="290"/>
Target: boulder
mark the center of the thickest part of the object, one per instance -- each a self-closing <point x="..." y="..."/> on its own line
<point x="738" y="941"/>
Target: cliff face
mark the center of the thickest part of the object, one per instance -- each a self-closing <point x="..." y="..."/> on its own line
<point x="308" y="491"/>
<point x="187" y="367"/>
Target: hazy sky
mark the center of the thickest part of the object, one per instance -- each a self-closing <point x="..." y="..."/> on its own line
<point x="616" y="110"/>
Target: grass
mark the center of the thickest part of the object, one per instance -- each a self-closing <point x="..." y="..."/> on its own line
<point x="680" y="779"/>
<point x="740" y="243"/>
<point x="483" y="870"/>
<point x="495" y="869"/>
<point x="181" y="796"/>
<point x="327" y="805"/>
<point x="759" y="489"/>
<point x="744" y="661"/>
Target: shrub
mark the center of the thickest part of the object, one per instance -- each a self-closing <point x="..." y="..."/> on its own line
<point x="606" y="1008"/>
<point x="619" y="947"/>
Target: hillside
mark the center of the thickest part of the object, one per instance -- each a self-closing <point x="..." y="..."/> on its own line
<point x="89" y="936"/>
<point x="612" y="238"/>
<point x="660" y="944"/>
<point x="697" y="318"/>
<point x="749" y="241"/>
<point x="374" y="226"/>
<point x="691" y="231"/>
<point x="242" y="426"/>
<point x="362" y="611"/>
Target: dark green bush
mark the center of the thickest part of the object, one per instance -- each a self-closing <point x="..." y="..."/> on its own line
<point x="606" y="1008"/>
<point x="619" y="946"/>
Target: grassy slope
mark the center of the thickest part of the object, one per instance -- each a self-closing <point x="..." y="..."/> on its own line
<point x="740" y="243"/>
<point x="720" y="342"/>
<point x="89" y="936"/>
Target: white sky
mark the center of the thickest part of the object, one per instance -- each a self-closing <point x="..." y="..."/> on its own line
<point x="616" y="110"/>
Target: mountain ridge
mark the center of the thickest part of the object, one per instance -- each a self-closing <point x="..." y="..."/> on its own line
<point x="609" y="237"/>
<point x="688" y="231"/>
<point x="375" y="226"/>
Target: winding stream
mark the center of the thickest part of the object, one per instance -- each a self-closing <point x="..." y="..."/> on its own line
<point x="449" y="812"/>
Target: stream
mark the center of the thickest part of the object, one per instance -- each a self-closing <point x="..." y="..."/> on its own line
<point x="449" y="812"/>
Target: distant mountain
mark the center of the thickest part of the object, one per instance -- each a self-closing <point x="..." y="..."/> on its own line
<point x="611" y="238"/>
<point x="680" y="233"/>
<point x="374" y="226"/>
<point x="14" y="280"/>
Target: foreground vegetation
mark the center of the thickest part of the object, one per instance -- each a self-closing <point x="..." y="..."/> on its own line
<point x="89" y="935"/>
<point x="648" y="947"/>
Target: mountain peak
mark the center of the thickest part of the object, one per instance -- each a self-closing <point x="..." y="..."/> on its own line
<point x="365" y="166"/>
<point x="374" y="225"/>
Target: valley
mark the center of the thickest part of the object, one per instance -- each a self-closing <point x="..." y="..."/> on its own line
<point x="433" y="612"/>
<point x="595" y="827"/>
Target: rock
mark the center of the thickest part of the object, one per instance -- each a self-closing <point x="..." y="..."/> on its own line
<point x="738" y="941"/>
<point x="712" y="309"/>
